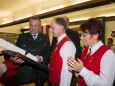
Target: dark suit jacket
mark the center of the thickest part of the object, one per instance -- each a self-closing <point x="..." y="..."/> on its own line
<point x="40" y="46"/>
<point x="73" y="35"/>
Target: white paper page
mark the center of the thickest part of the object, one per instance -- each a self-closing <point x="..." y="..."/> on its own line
<point x="31" y="57"/>
<point x="7" y="45"/>
<point x="10" y="46"/>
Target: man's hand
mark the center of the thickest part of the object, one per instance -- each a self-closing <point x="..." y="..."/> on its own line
<point x="1" y="84"/>
<point x="17" y="60"/>
<point x="38" y="58"/>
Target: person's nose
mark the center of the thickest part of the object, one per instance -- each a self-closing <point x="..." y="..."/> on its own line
<point x="33" y="27"/>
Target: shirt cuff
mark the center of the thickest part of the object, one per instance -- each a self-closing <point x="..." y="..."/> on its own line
<point x="83" y="72"/>
<point x="76" y="74"/>
<point x="3" y="68"/>
<point x="41" y="59"/>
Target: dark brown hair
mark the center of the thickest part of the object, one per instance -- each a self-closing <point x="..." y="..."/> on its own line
<point x="110" y="39"/>
<point x="92" y="26"/>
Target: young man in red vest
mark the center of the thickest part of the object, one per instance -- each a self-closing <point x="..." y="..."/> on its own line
<point x="60" y="75"/>
<point x="98" y="68"/>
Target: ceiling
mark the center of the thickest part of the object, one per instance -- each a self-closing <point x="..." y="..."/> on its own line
<point x="11" y="9"/>
<point x="8" y="7"/>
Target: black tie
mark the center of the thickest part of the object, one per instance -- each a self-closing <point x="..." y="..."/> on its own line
<point x="88" y="54"/>
<point x="56" y="43"/>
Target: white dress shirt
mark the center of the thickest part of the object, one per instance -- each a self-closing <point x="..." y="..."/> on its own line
<point x="107" y="69"/>
<point x="35" y="36"/>
<point x="3" y="68"/>
<point x="68" y="49"/>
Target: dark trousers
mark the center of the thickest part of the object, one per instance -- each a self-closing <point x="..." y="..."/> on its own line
<point x="29" y="75"/>
<point x="114" y="83"/>
<point x="50" y="84"/>
<point x="54" y="85"/>
<point x="72" y="80"/>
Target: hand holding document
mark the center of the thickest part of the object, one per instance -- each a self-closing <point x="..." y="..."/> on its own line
<point x="14" y="51"/>
<point x="16" y="59"/>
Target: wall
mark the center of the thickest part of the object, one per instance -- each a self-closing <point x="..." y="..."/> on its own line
<point x="109" y="26"/>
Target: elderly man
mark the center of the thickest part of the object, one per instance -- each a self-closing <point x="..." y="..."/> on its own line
<point x="37" y="44"/>
<point x="60" y="75"/>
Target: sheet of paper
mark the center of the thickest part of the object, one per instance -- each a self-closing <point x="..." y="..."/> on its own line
<point x="31" y="57"/>
<point x="8" y="46"/>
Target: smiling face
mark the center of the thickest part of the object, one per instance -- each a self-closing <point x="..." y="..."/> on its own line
<point x="34" y="26"/>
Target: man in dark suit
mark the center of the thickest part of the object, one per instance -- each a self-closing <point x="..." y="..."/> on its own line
<point x="73" y="35"/>
<point x="37" y="44"/>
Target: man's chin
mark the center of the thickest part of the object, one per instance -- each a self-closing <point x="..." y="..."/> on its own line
<point x="34" y="32"/>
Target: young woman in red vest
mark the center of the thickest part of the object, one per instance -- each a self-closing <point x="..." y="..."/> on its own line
<point x="98" y="68"/>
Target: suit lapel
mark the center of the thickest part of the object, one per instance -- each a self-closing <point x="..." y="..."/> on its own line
<point x="39" y="38"/>
<point x="30" y="38"/>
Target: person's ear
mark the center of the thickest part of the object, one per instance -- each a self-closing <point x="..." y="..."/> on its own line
<point x="95" y="36"/>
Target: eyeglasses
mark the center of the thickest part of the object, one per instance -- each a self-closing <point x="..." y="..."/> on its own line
<point x="84" y="35"/>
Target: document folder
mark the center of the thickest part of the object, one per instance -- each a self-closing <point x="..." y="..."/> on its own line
<point x="14" y="51"/>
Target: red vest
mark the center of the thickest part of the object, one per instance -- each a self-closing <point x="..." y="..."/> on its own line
<point x="11" y="71"/>
<point x="92" y="62"/>
<point x="56" y="63"/>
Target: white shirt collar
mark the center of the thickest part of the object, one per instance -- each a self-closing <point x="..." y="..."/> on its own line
<point x="35" y="34"/>
<point x="61" y="37"/>
<point x="96" y="46"/>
